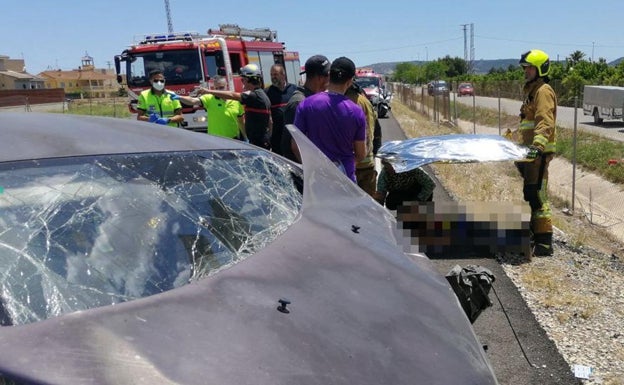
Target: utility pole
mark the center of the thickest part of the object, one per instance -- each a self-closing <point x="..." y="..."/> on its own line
<point x="472" y="48"/>
<point x="168" y="11"/>
<point x="465" y="42"/>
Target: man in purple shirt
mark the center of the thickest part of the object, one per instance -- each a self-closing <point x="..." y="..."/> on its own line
<point x="333" y="122"/>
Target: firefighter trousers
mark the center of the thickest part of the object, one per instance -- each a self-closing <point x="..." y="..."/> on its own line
<point x="535" y="190"/>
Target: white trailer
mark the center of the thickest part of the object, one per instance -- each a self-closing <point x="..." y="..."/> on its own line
<point x="603" y="102"/>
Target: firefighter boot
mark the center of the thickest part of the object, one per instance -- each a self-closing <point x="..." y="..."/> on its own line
<point x="543" y="245"/>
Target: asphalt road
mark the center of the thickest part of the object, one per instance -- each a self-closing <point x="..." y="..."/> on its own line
<point x="517" y="346"/>
<point x="612" y="129"/>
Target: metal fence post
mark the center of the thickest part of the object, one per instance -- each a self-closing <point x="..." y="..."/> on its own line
<point x="499" y="110"/>
<point x="474" y="114"/>
<point x="574" y="153"/>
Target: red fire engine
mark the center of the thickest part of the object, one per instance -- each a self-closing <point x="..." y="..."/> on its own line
<point x="189" y="60"/>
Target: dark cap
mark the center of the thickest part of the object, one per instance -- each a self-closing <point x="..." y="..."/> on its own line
<point x="316" y="65"/>
<point x="343" y="68"/>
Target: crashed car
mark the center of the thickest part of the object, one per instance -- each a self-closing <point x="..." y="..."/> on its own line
<point x="133" y="253"/>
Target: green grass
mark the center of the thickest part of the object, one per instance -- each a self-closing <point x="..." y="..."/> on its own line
<point x="116" y="108"/>
<point x="593" y="152"/>
<point x="99" y="109"/>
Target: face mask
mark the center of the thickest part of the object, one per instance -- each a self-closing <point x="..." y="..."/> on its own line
<point x="158" y="86"/>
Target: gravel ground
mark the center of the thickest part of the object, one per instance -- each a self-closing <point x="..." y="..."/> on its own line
<point x="576" y="295"/>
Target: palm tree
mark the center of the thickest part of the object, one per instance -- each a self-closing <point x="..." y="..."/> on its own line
<point x="576" y="57"/>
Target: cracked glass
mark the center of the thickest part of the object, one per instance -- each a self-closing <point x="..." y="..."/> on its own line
<point x="84" y="232"/>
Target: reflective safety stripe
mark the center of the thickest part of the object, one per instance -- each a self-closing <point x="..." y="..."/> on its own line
<point x="257" y="110"/>
<point x="527" y="125"/>
<point x="540" y="140"/>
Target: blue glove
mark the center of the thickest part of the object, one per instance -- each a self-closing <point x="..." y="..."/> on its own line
<point x="173" y="95"/>
<point x="162" y="121"/>
<point x="153" y="117"/>
<point x="534" y="152"/>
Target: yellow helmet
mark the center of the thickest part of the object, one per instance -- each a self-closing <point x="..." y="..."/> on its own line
<point x="538" y="59"/>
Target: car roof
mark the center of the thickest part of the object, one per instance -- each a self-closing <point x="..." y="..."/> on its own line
<point x="49" y="135"/>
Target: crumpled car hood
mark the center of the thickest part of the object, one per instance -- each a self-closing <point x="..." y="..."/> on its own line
<point x="361" y="312"/>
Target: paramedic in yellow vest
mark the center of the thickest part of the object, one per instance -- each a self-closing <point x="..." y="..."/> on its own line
<point x="537" y="131"/>
<point x="155" y="104"/>
<point x="225" y="117"/>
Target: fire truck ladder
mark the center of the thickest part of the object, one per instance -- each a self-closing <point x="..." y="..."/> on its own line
<point x="234" y="30"/>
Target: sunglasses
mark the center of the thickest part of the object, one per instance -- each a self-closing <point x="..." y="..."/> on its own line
<point x="159" y="81"/>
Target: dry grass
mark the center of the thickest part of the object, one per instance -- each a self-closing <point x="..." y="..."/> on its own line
<point x="559" y="293"/>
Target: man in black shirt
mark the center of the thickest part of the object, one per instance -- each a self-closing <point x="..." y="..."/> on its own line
<point x="279" y="93"/>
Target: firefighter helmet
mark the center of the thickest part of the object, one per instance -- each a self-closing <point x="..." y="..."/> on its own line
<point x="538" y="59"/>
<point x="251" y="71"/>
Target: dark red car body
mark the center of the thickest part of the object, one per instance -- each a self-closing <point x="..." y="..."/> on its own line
<point x="465" y="89"/>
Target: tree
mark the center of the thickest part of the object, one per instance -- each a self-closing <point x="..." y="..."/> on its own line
<point x="455" y="66"/>
<point x="576" y="57"/>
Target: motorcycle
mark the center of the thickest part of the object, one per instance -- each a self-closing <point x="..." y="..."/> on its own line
<point x="383" y="102"/>
<point x="380" y="98"/>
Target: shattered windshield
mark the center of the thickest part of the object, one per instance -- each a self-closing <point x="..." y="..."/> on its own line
<point x="80" y="233"/>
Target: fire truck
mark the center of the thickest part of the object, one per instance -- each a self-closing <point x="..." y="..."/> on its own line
<point x="190" y="60"/>
<point x="375" y="88"/>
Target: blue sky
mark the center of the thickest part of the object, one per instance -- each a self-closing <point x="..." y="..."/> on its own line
<point x="56" y="34"/>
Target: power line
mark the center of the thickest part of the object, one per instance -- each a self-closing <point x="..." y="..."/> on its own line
<point x="551" y="43"/>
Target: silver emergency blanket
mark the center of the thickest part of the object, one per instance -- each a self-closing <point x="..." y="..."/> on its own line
<point x="406" y="155"/>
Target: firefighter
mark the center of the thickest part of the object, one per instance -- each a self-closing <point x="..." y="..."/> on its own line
<point x="365" y="173"/>
<point x="155" y="104"/>
<point x="537" y="131"/>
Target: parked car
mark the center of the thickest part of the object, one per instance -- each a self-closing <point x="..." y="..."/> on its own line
<point x="465" y="89"/>
<point x="438" y="87"/>
<point x="133" y="253"/>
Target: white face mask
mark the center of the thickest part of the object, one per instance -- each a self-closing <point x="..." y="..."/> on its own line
<point x="158" y="86"/>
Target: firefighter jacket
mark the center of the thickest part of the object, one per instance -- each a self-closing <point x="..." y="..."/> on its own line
<point x="538" y="115"/>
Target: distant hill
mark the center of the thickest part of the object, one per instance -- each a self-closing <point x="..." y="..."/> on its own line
<point x="479" y="66"/>
<point x="616" y="61"/>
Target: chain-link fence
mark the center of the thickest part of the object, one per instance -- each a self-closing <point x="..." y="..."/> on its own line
<point x="435" y="105"/>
